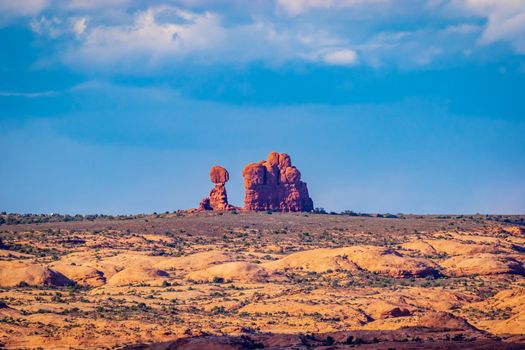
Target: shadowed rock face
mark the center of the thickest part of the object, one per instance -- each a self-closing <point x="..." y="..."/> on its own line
<point x="274" y="184"/>
<point x="12" y="273"/>
<point x="218" y="199"/>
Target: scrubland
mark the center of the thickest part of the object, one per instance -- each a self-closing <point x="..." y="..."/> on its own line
<point x="263" y="280"/>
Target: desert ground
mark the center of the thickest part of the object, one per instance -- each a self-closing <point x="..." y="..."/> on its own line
<point x="237" y="280"/>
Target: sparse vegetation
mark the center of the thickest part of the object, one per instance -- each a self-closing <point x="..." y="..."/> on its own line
<point x="318" y="294"/>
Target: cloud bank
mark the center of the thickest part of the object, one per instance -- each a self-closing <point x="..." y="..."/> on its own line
<point x="142" y="37"/>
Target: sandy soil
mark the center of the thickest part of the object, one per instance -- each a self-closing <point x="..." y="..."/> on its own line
<point x="252" y="280"/>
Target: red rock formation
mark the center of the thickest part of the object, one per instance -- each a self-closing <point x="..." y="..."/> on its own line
<point x="218" y="199"/>
<point x="205" y="204"/>
<point x="515" y="230"/>
<point x="275" y="185"/>
<point x="219" y="175"/>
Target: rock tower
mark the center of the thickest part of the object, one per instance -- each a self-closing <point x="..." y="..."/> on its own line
<point x="274" y="184"/>
<point x="218" y="199"/>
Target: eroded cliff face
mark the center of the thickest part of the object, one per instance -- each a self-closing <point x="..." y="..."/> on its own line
<point x="274" y="184"/>
<point x="218" y="199"/>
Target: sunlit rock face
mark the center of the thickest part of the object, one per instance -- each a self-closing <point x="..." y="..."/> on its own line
<point x="218" y="199"/>
<point x="274" y="184"/>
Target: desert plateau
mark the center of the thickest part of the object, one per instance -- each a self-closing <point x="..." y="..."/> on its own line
<point x="247" y="280"/>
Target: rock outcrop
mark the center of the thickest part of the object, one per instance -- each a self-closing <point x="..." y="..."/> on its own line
<point x="515" y="230"/>
<point x="13" y="273"/>
<point x="138" y="275"/>
<point x="377" y="260"/>
<point x="444" y="320"/>
<point x="274" y="184"/>
<point x="482" y="264"/>
<point x="218" y="199"/>
<point x="234" y="271"/>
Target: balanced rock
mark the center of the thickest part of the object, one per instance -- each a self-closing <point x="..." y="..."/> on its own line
<point x="274" y="184"/>
<point x="219" y="175"/>
<point x="218" y="199"/>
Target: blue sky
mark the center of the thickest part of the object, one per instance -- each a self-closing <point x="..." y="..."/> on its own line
<point x="122" y="106"/>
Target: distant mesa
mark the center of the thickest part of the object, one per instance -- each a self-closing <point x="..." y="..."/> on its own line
<point x="274" y="184"/>
<point x="270" y="185"/>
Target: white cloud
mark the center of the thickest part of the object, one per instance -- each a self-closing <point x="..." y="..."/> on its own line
<point x="28" y="94"/>
<point x="19" y="8"/>
<point x="462" y="29"/>
<point x="94" y="4"/>
<point x="506" y="21"/>
<point x="51" y="27"/>
<point x="148" y="38"/>
<point x="295" y="7"/>
<point x="505" y="18"/>
<point x="419" y="48"/>
<point x="131" y="37"/>
<point x="161" y="36"/>
<point x="343" y="57"/>
<point x="79" y="25"/>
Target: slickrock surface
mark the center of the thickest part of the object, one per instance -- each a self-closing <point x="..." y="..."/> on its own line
<point x="13" y="273"/>
<point x="515" y="230"/>
<point x="242" y="280"/>
<point x="232" y="271"/>
<point x="482" y="264"/>
<point x="274" y="184"/>
<point x="368" y="258"/>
